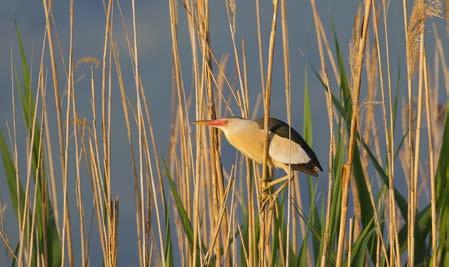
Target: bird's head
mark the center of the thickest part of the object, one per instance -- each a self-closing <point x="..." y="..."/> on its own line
<point x="227" y="125"/>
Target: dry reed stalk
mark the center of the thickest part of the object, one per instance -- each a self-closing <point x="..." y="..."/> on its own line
<point x="62" y="150"/>
<point x="113" y="232"/>
<point x="259" y="45"/>
<point x="344" y="211"/>
<point x="156" y="160"/>
<point x="371" y="125"/>
<point x="28" y="237"/>
<point x="3" y="236"/>
<point x="414" y="182"/>
<point x="439" y="111"/>
<point x="44" y="257"/>
<point x="228" y="254"/>
<point x="151" y="187"/>
<point x="199" y="28"/>
<point x="105" y="208"/>
<point x="98" y="201"/>
<point x="414" y="47"/>
<point x="300" y="205"/>
<point x="392" y="217"/>
<point x="39" y="185"/>
<point x="355" y="113"/>
<point x="220" y="218"/>
<point x="199" y="90"/>
<point x="252" y="243"/>
<point x="92" y="158"/>
<point x="140" y="126"/>
<point x="123" y="100"/>
<point x="392" y="228"/>
<point x="48" y="27"/>
<point x="351" y="233"/>
<point x="371" y="66"/>
<point x="78" y="194"/>
<point x="404" y="153"/>
<point x="231" y="10"/>
<point x="182" y="112"/>
<point x="446" y="4"/>
<point x="70" y="88"/>
<point x="106" y="211"/>
<point x="15" y="156"/>
<point x="330" y="112"/>
<point x="246" y="100"/>
<point x="42" y="92"/>
<point x="104" y="114"/>
<point x="354" y="45"/>
<point x="264" y="253"/>
<point x="285" y="53"/>
<point x="146" y="117"/>
<point x="369" y="128"/>
<point x="203" y="17"/>
<point x="177" y="170"/>
<point x="434" y="229"/>
<point x="325" y="42"/>
<point x="410" y="123"/>
<point x="49" y="149"/>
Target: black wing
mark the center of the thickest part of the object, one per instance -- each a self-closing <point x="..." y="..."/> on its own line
<point x="281" y="128"/>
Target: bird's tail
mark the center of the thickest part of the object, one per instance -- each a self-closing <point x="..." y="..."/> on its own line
<point x="308" y="169"/>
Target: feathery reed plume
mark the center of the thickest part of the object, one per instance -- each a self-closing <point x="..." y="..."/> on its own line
<point x="354" y="44"/>
<point x="422" y="10"/>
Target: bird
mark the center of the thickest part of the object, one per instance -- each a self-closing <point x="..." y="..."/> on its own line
<point x="247" y="136"/>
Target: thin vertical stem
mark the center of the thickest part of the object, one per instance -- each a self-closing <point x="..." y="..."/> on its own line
<point x="264" y="214"/>
<point x="330" y="112"/>
<point x="431" y="165"/>
<point x="352" y="137"/>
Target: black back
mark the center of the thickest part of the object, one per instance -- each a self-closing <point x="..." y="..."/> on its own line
<point x="281" y="128"/>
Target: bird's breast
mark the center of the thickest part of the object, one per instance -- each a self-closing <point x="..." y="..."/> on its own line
<point x="249" y="143"/>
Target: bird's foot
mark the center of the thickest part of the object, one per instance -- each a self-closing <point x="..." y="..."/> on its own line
<point x="267" y="203"/>
<point x="268" y="200"/>
<point x="264" y="198"/>
<point x="275" y="182"/>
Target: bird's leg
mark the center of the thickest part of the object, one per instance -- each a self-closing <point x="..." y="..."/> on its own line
<point x="279" y="180"/>
<point x="272" y="197"/>
<point x="263" y="189"/>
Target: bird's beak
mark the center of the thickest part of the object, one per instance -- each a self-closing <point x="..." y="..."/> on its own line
<point x="213" y="123"/>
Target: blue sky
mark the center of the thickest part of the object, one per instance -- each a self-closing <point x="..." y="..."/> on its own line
<point x="155" y="58"/>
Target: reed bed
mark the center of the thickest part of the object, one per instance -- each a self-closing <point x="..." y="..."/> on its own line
<point x="385" y="196"/>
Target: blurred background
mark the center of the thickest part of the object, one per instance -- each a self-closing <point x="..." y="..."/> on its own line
<point x="154" y="43"/>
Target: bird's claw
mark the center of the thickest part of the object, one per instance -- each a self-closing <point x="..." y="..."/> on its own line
<point x="266" y="185"/>
<point x="268" y="200"/>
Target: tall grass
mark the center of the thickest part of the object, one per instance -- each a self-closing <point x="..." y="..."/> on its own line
<point x="192" y="210"/>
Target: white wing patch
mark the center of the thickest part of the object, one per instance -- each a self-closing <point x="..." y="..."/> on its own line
<point x="279" y="151"/>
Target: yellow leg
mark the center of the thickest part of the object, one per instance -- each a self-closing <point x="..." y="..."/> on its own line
<point x="277" y="181"/>
<point x="271" y="198"/>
